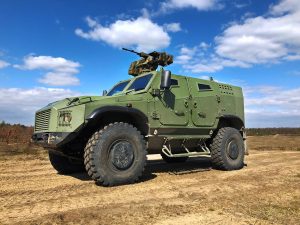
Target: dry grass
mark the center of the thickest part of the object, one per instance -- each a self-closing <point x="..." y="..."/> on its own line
<point x="260" y="143"/>
<point x="7" y="151"/>
<point x="274" y="142"/>
<point x="265" y="192"/>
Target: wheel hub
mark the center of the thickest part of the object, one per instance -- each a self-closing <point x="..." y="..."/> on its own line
<point x="233" y="150"/>
<point x="122" y="155"/>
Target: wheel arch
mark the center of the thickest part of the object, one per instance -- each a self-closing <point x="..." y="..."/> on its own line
<point x="108" y="114"/>
<point x="231" y="121"/>
<point x="237" y="123"/>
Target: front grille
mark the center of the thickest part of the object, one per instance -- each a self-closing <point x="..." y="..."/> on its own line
<point x="42" y="120"/>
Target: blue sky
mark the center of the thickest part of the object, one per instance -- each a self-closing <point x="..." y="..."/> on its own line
<point x="53" y="49"/>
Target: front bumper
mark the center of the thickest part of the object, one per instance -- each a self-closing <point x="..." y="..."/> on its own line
<point x="53" y="139"/>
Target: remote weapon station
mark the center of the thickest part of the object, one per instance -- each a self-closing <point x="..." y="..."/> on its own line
<point x="154" y="112"/>
<point x="148" y="62"/>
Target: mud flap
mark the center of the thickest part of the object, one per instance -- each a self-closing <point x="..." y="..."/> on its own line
<point x="245" y="143"/>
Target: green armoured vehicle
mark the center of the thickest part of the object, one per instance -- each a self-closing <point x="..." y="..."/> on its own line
<point x="155" y="112"/>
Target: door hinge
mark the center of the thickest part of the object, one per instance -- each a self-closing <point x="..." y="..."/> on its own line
<point x="186" y="104"/>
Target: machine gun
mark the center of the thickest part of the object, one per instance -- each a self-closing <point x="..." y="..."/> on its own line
<point x="148" y="62"/>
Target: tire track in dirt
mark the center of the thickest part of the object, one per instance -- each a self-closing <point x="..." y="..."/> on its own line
<point x="40" y="195"/>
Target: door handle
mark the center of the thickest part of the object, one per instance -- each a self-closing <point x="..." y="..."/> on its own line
<point x="179" y="113"/>
<point x="202" y="114"/>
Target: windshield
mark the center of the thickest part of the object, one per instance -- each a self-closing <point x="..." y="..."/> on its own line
<point x="140" y="83"/>
<point x="118" y="88"/>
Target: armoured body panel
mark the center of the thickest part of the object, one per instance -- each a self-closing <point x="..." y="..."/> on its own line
<point x="189" y="110"/>
<point x="154" y="112"/>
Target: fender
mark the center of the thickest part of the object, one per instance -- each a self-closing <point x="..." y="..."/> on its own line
<point x="98" y="112"/>
<point x="234" y="121"/>
<point x="238" y="123"/>
<point x="140" y="120"/>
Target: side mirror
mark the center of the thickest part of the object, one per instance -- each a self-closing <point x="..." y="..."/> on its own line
<point x="165" y="79"/>
<point x="104" y="93"/>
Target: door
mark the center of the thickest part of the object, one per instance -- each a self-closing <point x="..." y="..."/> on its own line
<point x="204" y="102"/>
<point x="172" y="106"/>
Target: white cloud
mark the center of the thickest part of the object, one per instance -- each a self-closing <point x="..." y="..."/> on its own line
<point x="3" y="64"/>
<point x="59" y="79"/>
<point x="266" y="96"/>
<point x="200" y="5"/>
<point x="240" y="5"/>
<point x="145" y="13"/>
<point x="295" y="73"/>
<point x="204" y="67"/>
<point x="62" y="71"/>
<point x="140" y="33"/>
<point x="264" y="39"/>
<point x="259" y="40"/>
<point x="292" y="57"/>
<point x="18" y="105"/>
<point x="206" y="77"/>
<point x="172" y="27"/>
<point x="198" y="60"/>
<point x="285" y="6"/>
<point x="272" y="106"/>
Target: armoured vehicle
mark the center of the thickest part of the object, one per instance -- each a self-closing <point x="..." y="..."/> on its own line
<point x="155" y="112"/>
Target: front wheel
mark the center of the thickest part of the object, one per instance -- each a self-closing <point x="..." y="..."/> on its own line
<point x="115" y="155"/>
<point x="227" y="149"/>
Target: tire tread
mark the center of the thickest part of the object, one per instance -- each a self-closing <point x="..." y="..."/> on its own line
<point x="90" y="150"/>
<point x="217" y="158"/>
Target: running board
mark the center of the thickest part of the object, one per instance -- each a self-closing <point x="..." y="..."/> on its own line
<point x="168" y="153"/>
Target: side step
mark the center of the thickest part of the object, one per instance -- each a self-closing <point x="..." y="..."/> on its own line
<point x="167" y="151"/>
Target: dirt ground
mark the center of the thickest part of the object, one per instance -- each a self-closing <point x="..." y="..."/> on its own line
<point x="266" y="191"/>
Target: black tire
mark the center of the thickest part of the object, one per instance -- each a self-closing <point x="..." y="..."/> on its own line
<point x="63" y="165"/>
<point x="115" y="155"/>
<point x="227" y="149"/>
<point x="174" y="159"/>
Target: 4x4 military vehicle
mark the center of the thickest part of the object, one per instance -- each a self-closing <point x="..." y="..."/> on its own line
<point x="155" y="112"/>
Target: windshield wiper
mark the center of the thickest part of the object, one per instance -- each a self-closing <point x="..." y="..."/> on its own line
<point x="129" y="91"/>
<point x="73" y="100"/>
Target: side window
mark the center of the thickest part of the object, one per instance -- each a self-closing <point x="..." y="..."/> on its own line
<point x="174" y="82"/>
<point x="204" y="87"/>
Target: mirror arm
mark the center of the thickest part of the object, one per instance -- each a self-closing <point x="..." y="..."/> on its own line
<point x="104" y="93"/>
<point x="156" y="92"/>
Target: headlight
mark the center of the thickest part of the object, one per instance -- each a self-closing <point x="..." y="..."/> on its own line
<point x="65" y="118"/>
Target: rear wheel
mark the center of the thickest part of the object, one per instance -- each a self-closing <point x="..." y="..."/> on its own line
<point x="168" y="159"/>
<point x="115" y="155"/>
<point x="227" y="149"/>
<point x="64" y="165"/>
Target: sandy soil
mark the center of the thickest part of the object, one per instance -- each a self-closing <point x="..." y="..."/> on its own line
<point x="267" y="191"/>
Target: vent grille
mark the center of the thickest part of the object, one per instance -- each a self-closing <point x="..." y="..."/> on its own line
<point x="226" y="89"/>
<point x="42" y="120"/>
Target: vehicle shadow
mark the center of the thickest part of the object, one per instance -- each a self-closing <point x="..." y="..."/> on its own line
<point x="83" y="176"/>
<point x="192" y="165"/>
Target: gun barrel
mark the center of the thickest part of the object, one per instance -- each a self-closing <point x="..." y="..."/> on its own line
<point x="141" y="54"/>
<point x="130" y="50"/>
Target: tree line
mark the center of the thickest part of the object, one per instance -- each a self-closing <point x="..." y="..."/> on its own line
<point x="272" y="131"/>
<point x="18" y="133"/>
<point x="15" y="133"/>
